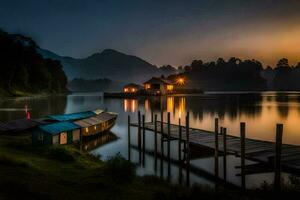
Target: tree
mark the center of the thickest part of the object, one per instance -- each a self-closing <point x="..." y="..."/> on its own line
<point x="283" y="63"/>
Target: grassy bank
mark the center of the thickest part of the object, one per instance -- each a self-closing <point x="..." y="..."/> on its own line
<point x="66" y="173"/>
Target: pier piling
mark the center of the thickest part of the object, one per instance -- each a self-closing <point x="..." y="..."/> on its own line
<point x="169" y="147"/>
<point x="187" y="129"/>
<point x="242" y="138"/>
<point x="129" y="137"/>
<point x="224" y="153"/>
<point x="144" y="144"/>
<point x="155" y="142"/>
<point x="277" y="161"/>
<point x="139" y="136"/>
<point x="217" y="147"/>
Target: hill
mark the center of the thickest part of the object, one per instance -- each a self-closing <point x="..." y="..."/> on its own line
<point x="109" y="64"/>
<point x="24" y="71"/>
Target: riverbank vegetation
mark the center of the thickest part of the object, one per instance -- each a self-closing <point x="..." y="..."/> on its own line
<point x="24" y="72"/>
<point x="236" y="74"/>
<point x="64" y="172"/>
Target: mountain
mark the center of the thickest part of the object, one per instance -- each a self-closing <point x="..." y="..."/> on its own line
<point x="24" y="71"/>
<point x="109" y="64"/>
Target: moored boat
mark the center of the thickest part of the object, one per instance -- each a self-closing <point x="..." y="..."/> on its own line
<point x="97" y="124"/>
<point x="70" y="128"/>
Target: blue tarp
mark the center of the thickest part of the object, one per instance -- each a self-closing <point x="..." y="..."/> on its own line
<point x="59" y="127"/>
<point x="72" y="116"/>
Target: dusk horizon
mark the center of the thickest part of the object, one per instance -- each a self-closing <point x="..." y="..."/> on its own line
<point x="170" y="32"/>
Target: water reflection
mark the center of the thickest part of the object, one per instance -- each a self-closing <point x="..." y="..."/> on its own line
<point x="91" y="143"/>
<point x="14" y="108"/>
<point x="260" y="111"/>
<point x="131" y="105"/>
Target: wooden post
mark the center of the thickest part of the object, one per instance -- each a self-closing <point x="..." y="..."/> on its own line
<point x="144" y="144"/>
<point x="179" y="152"/>
<point x="216" y="147"/>
<point x="139" y="136"/>
<point x="277" y="161"/>
<point x="162" y="133"/>
<point x="151" y="115"/>
<point x="129" y="137"/>
<point x="179" y="141"/>
<point x="188" y="148"/>
<point x="243" y="136"/>
<point x="225" y="153"/>
<point x="161" y="144"/>
<point x="155" y="142"/>
<point x="168" y="143"/>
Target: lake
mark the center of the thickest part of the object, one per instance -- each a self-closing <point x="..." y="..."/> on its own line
<point x="260" y="111"/>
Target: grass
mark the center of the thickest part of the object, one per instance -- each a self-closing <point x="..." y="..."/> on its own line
<point x="64" y="172"/>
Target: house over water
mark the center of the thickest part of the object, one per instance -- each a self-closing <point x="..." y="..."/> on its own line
<point x="132" y="88"/>
<point x="158" y="86"/>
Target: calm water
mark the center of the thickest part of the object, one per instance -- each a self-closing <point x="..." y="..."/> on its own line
<point x="260" y="111"/>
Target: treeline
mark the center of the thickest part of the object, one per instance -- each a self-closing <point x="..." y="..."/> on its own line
<point x="284" y="76"/>
<point x="237" y="74"/>
<point x="23" y="70"/>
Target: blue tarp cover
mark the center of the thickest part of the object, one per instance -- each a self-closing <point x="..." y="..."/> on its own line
<point x="59" y="127"/>
<point x="72" y="116"/>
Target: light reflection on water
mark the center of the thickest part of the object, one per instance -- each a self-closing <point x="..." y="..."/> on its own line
<point x="261" y="112"/>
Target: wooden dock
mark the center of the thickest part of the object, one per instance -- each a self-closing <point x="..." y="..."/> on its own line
<point x="269" y="156"/>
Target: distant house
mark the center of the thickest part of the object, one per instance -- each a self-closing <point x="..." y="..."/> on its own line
<point x="158" y="86"/>
<point x="132" y="88"/>
<point x="56" y="133"/>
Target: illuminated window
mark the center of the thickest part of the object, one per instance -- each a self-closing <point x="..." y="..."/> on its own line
<point x="169" y="87"/>
<point x="133" y="89"/>
<point x="86" y="130"/>
<point x="125" y="89"/>
<point x="95" y="127"/>
<point x="147" y="86"/>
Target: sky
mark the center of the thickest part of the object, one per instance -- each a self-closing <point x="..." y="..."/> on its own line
<point x="161" y="31"/>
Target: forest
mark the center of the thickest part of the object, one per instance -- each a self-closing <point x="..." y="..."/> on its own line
<point x="237" y="74"/>
<point x="23" y="71"/>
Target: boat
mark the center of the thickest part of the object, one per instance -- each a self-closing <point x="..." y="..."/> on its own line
<point x="96" y="124"/>
<point x="71" y="128"/>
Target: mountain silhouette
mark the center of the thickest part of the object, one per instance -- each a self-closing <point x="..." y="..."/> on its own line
<point x="109" y="64"/>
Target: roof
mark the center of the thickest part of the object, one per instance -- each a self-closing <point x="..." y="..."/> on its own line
<point x="155" y="80"/>
<point x="133" y="85"/>
<point x="72" y="116"/>
<point x="91" y="121"/>
<point x="59" y="127"/>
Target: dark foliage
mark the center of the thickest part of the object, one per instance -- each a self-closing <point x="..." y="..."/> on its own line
<point x="237" y="74"/>
<point x="23" y="69"/>
<point x="120" y="168"/>
<point x="233" y="74"/>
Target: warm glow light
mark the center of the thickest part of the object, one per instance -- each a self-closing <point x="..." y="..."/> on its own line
<point x="147" y="105"/>
<point x="169" y="87"/>
<point x="170" y="104"/>
<point x="181" y="107"/>
<point x="125" y="89"/>
<point x="86" y="130"/>
<point x="130" y="105"/>
<point x="180" y="81"/>
<point x="147" y="86"/>
<point x="133" y="90"/>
